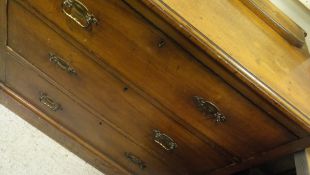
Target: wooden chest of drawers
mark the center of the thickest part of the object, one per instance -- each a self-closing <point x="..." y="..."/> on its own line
<point x="129" y="91"/>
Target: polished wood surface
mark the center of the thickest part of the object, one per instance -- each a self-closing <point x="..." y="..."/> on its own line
<point x="130" y="67"/>
<point x="137" y="117"/>
<point x="226" y="75"/>
<point x="276" y="19"/>
<point x="273" y="154"/>
<point x="167" y="76"/>
<point x="66" y="138"/>
<point x="2" y="39"/>
<point x="248" y="47"/>
<point x="79" y="121"/>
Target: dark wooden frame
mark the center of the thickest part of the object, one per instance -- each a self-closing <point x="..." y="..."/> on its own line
<point x="31" y="114"/>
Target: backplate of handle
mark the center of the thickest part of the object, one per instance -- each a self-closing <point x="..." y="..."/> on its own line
<point x="61" y="63"/>
<point x="164" y="140"/>
<point x="79" y="13"/>
<point x="47" y="101"/>
<point x="209" y="109"/>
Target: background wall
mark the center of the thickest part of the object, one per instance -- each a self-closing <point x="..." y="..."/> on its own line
<point x="297" y="12"/>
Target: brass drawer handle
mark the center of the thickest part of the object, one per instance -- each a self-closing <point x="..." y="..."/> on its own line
<point x="136" y="160"/>
<point x="79" y="13"/>
<point x="47" y="101"/>
<point x="61" y="63"/>
<point x="209" y="109"/>
<point x="164" y="140"/>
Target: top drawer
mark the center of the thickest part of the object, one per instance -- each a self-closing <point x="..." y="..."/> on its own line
<point x="163" y="70"/>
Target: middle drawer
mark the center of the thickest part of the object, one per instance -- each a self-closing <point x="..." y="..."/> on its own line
<point x="89" y="82"/>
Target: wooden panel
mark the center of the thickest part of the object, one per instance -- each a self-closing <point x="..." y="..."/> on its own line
<point x="250" y="49"/>
<point x="103" y="92"/>
<point x="225" y="74"/>
<point x="170" y="75"/>
<point x="276" y="153"/>
<point x="2" y="39"/>
<point x="38" y="119"/>
<point x="79" y="121"/>
<point x="66" y="138"/>
<point x="276" y="19"/>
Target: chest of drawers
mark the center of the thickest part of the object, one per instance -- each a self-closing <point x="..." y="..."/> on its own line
<point x="132" y="93"/>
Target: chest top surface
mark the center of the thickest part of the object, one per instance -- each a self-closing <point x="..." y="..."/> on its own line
<point x="248" y="46"/>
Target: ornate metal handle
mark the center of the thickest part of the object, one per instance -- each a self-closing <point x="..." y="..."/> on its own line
<point x="47" y="101"/>
<point x="208" y="108"/>
<point x="136" y="160"/>
<point x="79" y="13"/>
<point x="164" y="140"/>
<point x="61" y="63"/>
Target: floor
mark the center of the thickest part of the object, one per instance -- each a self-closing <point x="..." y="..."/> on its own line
<point x="24" y="150"/>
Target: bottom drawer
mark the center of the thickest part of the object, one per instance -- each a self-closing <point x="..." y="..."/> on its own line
<point x="78" y="120"/>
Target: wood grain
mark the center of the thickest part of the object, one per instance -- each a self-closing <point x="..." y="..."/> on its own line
<point x="66" y="138"/>
<point x="231" y="79"/>
<point x="250" y="50"/>
<point x="168" y="76"/>
<point x="102" y="137"/>
<point x="3" y="29"/>
<point x="278" y="152"/>
<point x="123" y="107"/>
<point x="37" y="118"/>
<point x="277" y="20"/>
<point x="133" y="78"/>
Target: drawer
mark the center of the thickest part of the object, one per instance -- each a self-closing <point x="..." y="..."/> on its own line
<point x="73" y="117"/>
<point x="145" y="56"/>
<point x="93" y="85"/>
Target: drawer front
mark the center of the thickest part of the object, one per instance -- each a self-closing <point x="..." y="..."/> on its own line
<point x="145" y="56"/>
<point x="79" y="121"/>
<point x="89" y="82"/>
